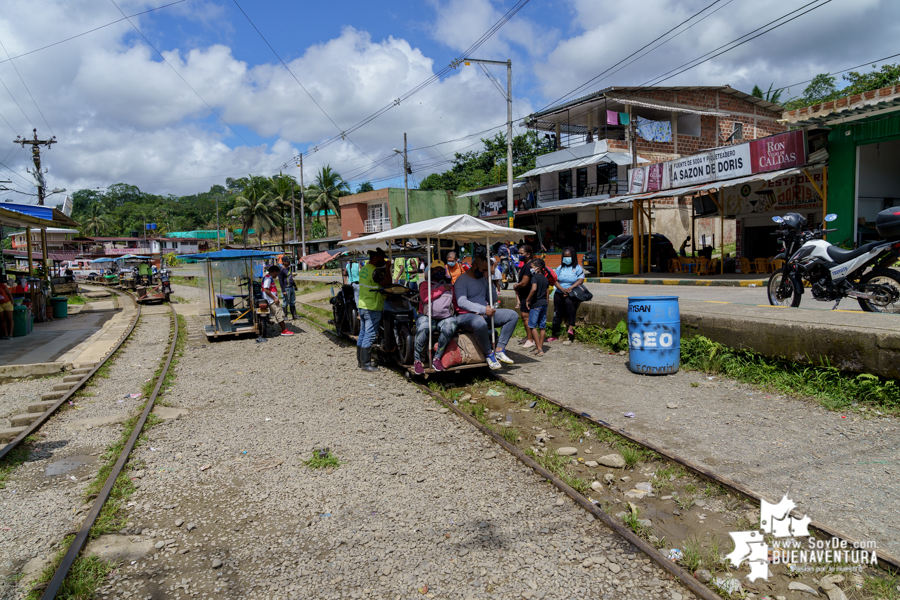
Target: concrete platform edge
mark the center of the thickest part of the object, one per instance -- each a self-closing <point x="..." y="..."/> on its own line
<point x="10" y="372"/>
<point x="696" y="282"/>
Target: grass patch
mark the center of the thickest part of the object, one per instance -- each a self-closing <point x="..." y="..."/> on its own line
<point x="323" y="459"/>
<point x="510" y="434"/>
<point x="614" y="340"/>
<point x="181" y="280"/>
<point x="85" y="577"/>
<point x="309" y="287"/>
<point x="631" y="455"/>
<point x="77" y="299"/>
<point x="883" y="586"/>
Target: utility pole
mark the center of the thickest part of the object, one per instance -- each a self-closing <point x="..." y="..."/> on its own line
<point x="302" y="213"/>
<point x="509" y="135"/>
<point x="36" y="144"/>
<point x="406" y="178"/>
<point x="293" y="223"/>
<point x="218" y="243"/>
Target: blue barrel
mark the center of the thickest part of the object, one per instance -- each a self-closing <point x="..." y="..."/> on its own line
<point x="654" y="335"/>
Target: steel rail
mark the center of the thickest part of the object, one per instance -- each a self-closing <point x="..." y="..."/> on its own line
<point x="45" y="416"/>
<point x="703" y="472"/>
<point x="81" y="537"/>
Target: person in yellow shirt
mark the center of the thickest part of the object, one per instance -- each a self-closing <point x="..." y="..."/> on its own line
<point x="454" y="268"/>
<point x="372" y="276"/>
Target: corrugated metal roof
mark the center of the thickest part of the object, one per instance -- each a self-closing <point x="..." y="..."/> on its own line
<point x="858" y="113"/>
<point x="619" y="158"/>
<point x="492" y="189"/>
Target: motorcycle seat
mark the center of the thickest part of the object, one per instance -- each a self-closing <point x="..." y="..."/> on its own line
<point x="841" y="256"/>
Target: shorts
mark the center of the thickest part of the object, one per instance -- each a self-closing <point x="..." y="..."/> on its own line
<point x="276" y="312"/>
<point x="537" y="317"/>
<point x="6" y="307"/>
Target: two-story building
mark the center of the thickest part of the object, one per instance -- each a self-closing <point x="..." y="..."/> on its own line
<point x="60" y="241"/>
<point x="119" y="246"/>
<point x="380" y="210"/>
<point x="599" y="136"/>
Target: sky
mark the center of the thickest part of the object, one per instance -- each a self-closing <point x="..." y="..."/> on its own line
<point x="246" y="87"/>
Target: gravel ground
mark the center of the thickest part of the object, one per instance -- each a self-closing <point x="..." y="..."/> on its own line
<point x="422" y="498"/>
<point x="840" y="468"/>
<point x="37" y="508"/>
<point x="191" y="294"/>
<point x="17" y="395"/>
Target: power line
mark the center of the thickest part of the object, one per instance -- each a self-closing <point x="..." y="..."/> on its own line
<point x="27" y="90"/>
<point x="868" y="62"/>
<point x="295" y="77"/>
<point x="17" y="104"/>
<point x="137" y="14"/>
<point x="215" y="112"/>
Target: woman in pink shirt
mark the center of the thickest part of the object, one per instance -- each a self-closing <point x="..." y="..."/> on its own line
<point x="443" y="318"/>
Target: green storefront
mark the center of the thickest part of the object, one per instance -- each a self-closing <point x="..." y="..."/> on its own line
<point x="863" y="163"/>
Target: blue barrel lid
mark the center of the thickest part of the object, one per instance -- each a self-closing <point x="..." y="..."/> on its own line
<point x="650" y="298"/>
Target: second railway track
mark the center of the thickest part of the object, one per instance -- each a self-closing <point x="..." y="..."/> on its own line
<point x="109" y="393"/>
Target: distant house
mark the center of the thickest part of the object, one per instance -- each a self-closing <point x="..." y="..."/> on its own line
<point x="380" y="210"/>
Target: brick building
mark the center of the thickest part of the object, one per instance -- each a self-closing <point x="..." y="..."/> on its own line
<point x="595" y="147"/>
<point x="380" y="210"/>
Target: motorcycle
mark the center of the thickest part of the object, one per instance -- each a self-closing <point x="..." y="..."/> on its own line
<point x="343" y="308"/>
<point x="164" y="284"/>
<point x="833" y="273"/>
<point x="510" y="273"/>
<point x="398" y="323"/>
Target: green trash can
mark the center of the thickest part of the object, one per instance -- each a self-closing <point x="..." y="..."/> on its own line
<point x="60" y="306"/>
<point x="20" y="321"/>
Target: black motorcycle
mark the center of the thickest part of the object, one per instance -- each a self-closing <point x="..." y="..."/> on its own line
<point x="344" y="311"/>
<point x="398" y="323"/>
<point x="834" y="274"/>
<point x="510" y="273"/>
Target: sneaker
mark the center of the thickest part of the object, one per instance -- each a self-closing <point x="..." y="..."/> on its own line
<point x="437" y="364"/>
<point x="418" y="368"/>
<point x="286" y="332"/>
<point x="492" y="362"/>
<point x="528" y="344"/>
<point x="502" y="357"/>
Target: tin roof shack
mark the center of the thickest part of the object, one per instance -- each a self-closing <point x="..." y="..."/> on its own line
<point x="863" y="154"/>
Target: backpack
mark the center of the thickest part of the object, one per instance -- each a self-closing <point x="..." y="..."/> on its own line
<point x="441" y="307"/>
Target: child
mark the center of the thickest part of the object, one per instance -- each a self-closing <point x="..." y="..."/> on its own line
<point x="537" y="302"/>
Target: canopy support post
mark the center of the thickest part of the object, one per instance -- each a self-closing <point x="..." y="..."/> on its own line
<point x="490" y="284"/>
<point x="428" y="275"/>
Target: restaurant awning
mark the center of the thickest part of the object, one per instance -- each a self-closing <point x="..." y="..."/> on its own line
<point x="619" y="158"/>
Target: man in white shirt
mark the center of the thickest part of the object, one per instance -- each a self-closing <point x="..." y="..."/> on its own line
<point x="270" y="293"/>
<point x="475" y="312"/>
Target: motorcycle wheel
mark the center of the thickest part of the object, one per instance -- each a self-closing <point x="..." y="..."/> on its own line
<point x="504" y="284"/>
<point x="790" y="296"/>
<point x="405" y="344"/>
<point x="889" y="301"/>
<point x="337" y="312"/>
<point x="354" y="322"/>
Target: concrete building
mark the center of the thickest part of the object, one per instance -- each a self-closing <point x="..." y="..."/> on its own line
<point x="118" y="246"/>
<point x="380" y="210"/>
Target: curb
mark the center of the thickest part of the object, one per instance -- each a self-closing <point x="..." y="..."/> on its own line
<point x="695" y="282"/>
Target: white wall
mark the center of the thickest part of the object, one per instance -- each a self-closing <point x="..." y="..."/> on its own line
<point x="879" y="177"/>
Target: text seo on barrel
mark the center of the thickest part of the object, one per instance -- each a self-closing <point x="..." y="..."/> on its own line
<point x="654" y="335"/>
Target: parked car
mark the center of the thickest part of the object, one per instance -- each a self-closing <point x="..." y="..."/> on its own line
<point x="623" y="247"/>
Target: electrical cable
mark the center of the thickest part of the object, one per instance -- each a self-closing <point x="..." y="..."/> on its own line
<point x="17" y="104"/>
<point x="27" y="90"/>
<point x="868" y="62"/>
<point x="215" y="112"/>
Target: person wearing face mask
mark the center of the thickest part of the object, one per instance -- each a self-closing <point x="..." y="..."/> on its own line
<point x="475" y="312"/>
<point x="569" y="275"/>
<point x="372" y="276"/>
<point x="454" y="268"/>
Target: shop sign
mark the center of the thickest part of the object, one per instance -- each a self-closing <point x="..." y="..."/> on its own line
<point x="773" y="153"/>
<point x="792" y="193"/>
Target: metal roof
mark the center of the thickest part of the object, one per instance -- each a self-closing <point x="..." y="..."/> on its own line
<point x="850" y="114"/>
<point x="492" y="189"/>
<point x="619" y="158"/>
<point x="727" y="89"/>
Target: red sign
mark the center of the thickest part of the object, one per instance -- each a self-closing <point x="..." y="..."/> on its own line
<point x="778" y="152"/>
<point x="655" y="177"/>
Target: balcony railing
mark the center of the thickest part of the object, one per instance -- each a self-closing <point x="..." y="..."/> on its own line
<point x="591" y="190"/>
<point x="377" y="225"/>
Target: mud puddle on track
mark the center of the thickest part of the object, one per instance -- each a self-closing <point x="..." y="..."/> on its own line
<point x="684" y="515"/>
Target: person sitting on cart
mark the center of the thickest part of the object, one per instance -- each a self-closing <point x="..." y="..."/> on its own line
<point x="351" y="270"/>
<point x="406" y="270"/>
<point x="374" y="275"/>
<point x="443" y="318"/>
<point x="454" y="268"/>
<point x="475" y="312"/>
<point x="270" y="293"/>
<point x="288" y="287"/>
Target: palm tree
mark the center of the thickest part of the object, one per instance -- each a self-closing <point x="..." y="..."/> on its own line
<point x="255" y="209"/>
<point x="96" y="221"/>
<point x="282" y="197"/>
<point x="324" y="194"/>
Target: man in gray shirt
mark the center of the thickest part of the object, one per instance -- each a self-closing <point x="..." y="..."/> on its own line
<point x="475" y="312"/>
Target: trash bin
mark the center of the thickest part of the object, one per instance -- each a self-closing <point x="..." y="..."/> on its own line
<point x="20" y="321"/>
<point x="654" y="335"/>
<point x="60" y="307"/>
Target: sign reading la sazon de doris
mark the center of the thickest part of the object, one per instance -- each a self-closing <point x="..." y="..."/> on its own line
<point x="780" y="151"/>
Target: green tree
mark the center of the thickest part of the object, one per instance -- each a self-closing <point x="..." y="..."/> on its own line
<point x="282" y="196"/>
<point x="95" y="221"/>
<point x="325" y="193"/>
<point x="365" y="186"/>
<point x="769" y="96"/>
<point x="865" y="82"/>
<point x="255" y="209"/>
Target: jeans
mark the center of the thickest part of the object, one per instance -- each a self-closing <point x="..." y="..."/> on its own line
<point x="356" y="293"/>
<point x="562" y="305"/>
<point x="289" y="298"/>
<point x="368" y="327"/>
<point x="504" y="318"/>
<point x="537" y="317"/>
<point x="445" y="330"/>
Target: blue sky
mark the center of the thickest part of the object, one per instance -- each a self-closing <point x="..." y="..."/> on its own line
<point x="121" y="115"/>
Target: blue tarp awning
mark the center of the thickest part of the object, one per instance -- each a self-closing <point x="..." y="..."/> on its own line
<point x="104" y="260"/>
<point x="231" y="255"/>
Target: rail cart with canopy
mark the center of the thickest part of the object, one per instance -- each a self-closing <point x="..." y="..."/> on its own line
<point x="231" y="293"/>
<point x="461" y="229"/>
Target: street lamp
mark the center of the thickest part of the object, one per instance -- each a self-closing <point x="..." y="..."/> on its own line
<point x="508" y="95"/>
<point x="406" y="172"/>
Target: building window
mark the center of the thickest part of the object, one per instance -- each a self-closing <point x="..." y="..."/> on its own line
<point x="565" y="185"/>
<point x="581" y="181"/>
<point x="607" y="176"/>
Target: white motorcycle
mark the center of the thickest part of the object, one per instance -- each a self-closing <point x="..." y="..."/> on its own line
<point x="834" y="274"/>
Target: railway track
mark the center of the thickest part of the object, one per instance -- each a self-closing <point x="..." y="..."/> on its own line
<point x="51" y="588"/>
<point x="616" y="523"/>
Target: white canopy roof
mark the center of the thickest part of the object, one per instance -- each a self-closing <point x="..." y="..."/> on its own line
<point x="619" y="158"/>
<point x="462" y="229"/>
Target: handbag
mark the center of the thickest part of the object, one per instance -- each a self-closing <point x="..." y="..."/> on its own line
<point x="581" y="294"/>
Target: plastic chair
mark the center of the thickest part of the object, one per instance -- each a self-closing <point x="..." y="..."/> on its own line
<point x="714" y="266"/>
<point x="777" y="264"/>
<point x="746" y="266"/>
<point x="674" y="265"/>
<point x="762" y="265"/>
<point x="703" y="266"/>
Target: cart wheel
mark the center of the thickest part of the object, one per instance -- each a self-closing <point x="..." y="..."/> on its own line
<point x="354" y="322"/>
<point x="408" y="375"/>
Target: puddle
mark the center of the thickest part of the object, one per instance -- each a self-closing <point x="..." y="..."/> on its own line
<point x="70" y="463"/>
